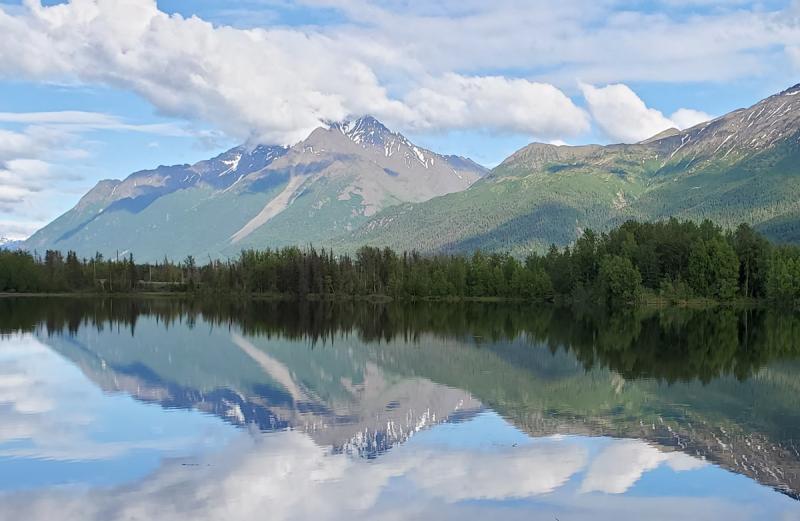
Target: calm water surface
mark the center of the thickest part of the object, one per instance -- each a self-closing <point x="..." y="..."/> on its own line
<point x="171" y="410"/>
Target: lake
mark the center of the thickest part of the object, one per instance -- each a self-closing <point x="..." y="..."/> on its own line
<point x="163" y="409"/>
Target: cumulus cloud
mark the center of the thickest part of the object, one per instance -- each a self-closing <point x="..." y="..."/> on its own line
<point x="270" y="85"/>
<point x="687" y="118"/>
<point x="422" y="66"/>
<point x="623" y="116"/>
<point x="411" y="63"/>
<point x="518" y="105"/>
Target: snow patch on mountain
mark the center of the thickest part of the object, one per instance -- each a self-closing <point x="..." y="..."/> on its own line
<point x="233" y="164"/>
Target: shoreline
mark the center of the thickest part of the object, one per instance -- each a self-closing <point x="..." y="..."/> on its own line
<point x="646" y="302"/>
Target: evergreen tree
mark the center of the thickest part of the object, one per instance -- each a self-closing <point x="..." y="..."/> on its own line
<point x="619" y="282"/>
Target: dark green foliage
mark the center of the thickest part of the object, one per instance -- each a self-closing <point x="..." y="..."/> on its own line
<point x="783" y="277"/>
<point x="19" y="272"/>
<point x="677" y="259"/>
<point x="753" y="251"/>
<point x="713" y="269"/>
<point x="618" y="281"/>
<point x="374" y="271"/>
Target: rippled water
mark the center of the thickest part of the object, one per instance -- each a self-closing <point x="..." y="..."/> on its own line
<point x="165" y="409"/>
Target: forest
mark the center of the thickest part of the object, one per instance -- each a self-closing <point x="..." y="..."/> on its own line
<point x="676" y="260"/>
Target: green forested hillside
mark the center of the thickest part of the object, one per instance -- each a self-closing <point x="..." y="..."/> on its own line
<point x="742" y="167"/>
<point x="519" y="208"/>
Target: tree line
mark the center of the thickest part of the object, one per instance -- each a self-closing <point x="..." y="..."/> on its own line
<point x="674" y="259"/>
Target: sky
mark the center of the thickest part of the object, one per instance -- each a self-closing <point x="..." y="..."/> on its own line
<point x="98" y="89"/>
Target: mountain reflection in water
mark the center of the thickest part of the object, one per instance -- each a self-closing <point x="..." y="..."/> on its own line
<point x="223" y="410"/>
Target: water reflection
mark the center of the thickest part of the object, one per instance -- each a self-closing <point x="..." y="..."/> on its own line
<point x="672" y="345"/>
<point x="374" y="411"/>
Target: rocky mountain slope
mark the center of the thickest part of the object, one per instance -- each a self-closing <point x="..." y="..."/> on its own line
<point x="267" y="196"/>
<point x="743" y="166"/>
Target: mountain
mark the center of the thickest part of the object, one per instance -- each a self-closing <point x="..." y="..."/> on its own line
<point x="741" y="167"/>
<point x="266" y="196"/>
<point x="355" y="183"/>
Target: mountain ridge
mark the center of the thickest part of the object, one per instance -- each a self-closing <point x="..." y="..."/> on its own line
<point x="739" y="167"/>
<point x="357" y="183"/>
<point x="323" y="186"/>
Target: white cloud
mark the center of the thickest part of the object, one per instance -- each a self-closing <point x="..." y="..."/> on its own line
<point x="793" y="53"/>
<point x="599" y="42"/>
<point x="422" y="66"/>
<point x="80" y="121"/>
<point x="623" y="116"/>
<point x="30" y="143"/>
<point x="35" y="171"/>
<point x="687" y="118"/>
<point x="17" y="230"/>
<point x="271" y="85"/>
<point x="21" y="177"/>
<point x="407" y="62"/>
<point x="518" y="105"/>
<point x="28" y="177"/>
<point x="75" y="117"/>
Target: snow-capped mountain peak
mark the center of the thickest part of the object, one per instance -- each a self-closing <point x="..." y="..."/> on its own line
<point x="367" y="130"/>
<point x="791" y="91"/>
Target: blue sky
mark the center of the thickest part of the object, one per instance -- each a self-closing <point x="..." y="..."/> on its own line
<point x="93" y="89"/>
